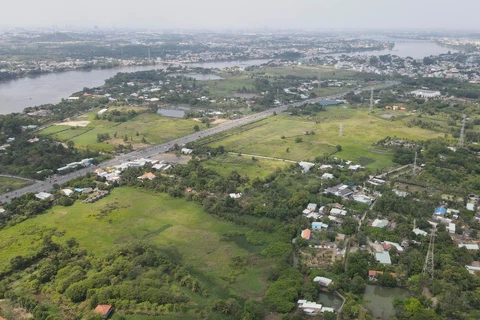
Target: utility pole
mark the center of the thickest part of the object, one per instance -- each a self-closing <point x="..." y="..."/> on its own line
<point x="429" y="266"/>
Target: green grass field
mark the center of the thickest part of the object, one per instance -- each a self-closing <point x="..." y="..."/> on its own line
<point x="360" y="131"/>
<point x="155" y="128"/>
<point x="10" y="184"/>
<point x="176" y="226"/>
<point x="309" y="71"/>
<point x="244" y="165"/>
<point x="229" y="85"/>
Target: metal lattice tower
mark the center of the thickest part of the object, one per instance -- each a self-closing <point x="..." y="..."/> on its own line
<point x="371" y="100"/>
<point x="462" y="132"/>
<point x="429" y="266"/>
<point x="340" y="131"/>
<point x="415" y="164"/>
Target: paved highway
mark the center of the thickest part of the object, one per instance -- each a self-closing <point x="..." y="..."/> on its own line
<point x="165" y="147"/>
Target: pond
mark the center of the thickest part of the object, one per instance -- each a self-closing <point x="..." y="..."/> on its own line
<point x="198" y="76"/>
<point x="379" y="300"/>
<point x="329" y="300"/>
<point x="174" y="112"/>
<point x="204" y="76"/>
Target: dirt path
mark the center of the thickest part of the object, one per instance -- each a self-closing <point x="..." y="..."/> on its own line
<point x="263" y="157"/>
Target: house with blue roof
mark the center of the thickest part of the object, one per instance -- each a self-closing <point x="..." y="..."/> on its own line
<point x="440" y="211"/>
<point x="319" y="226"/>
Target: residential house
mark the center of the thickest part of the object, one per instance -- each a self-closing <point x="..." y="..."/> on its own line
<point x="387" y="245"/>
<point x="337" y="220"/>
<point x="312" y="207"/>
<point x="158" y="166"/>
<point x="186" y="151"/>
<point x="378" y="223"/>
<point x="104" y="310"/>
<point x="383" y="258"/>
<point x="148" y="175"/>
<point x="44" y="196"/>
<point x="338" y="212"/>
<point x="319" y="226"/>
<point x="470" y="206"/>
<point x="325" y="167"/>
<point x="306" y="234"/>
<point x="340" y="190"/>
<point x="324" y="282"/>
<point x="66" y="192"/>
<point x="327" y="176"/>
<point x="306" y="166"/>
<point x="355" y="168"/>
<point x="363" y="199"/>
<point x="235" y="195"/>
<point x="376" y="181"/>
<point x="440" y="211"/>
<point x="373" y="274"/>
<point x="451" y="228"/>
<point x="310" y="308"/>
<point x="471" y="246"/>
<point x="453" y="212"/>
<point x="420" y="232"/>
<point x="474" y="267"/>
<point x="429" y="94"/>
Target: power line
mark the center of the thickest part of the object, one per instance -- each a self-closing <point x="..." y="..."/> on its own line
<point x="429" y="266"/>
<point x="461" y="141"/>
<point x="371" y="100"/>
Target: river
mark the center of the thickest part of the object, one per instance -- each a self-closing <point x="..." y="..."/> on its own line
<point x="18" y="94"/>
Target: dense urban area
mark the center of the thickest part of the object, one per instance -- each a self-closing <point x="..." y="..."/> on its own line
<point x="241" y="175"/>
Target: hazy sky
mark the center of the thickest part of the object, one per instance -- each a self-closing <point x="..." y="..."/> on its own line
<point x="406" y="14"/>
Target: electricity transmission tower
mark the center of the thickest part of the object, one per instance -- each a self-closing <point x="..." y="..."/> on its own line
<point x="462" y="132"/>
<point x="340" y="132"/>
<point x="429" y="266"/>
<point x="371" y="100"/>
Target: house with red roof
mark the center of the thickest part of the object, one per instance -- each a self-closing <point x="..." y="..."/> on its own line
<point x="104" y="310"/>
<point x="306" y="234"/>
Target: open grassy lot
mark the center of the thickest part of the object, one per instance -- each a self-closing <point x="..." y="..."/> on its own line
<point x="360" y="131"/>
<point x="244" y="165"/>
<point x="10" y="184"/>
<point x="154" y="128"/>
<point x="229" y="85"/>
<point x="182" y="229"/>
<point x="309" y="71"/>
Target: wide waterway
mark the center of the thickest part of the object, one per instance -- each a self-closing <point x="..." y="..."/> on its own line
<point x="16" y="95"/>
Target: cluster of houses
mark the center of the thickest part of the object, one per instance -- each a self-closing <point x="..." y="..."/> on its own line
<point x="344" y="191"/>
<point x="97" y="195"/>
<point x="334" y="212"/>
<point x="75" y="165"/>
<point x="312" y="308"/>
<point x="112" y="174"/>
<point x="395" y="108"/>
